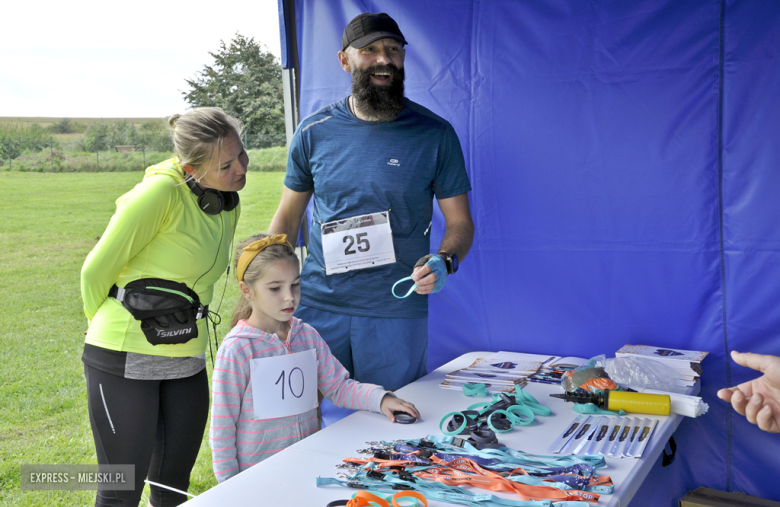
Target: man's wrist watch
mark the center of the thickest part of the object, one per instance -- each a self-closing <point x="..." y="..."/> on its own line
<point x="451" y="260"/>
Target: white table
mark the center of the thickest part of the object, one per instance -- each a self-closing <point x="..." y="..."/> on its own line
<point x="288" y="478"/>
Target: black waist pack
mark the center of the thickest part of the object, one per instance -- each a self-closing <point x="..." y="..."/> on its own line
<point x="168" y="310"/>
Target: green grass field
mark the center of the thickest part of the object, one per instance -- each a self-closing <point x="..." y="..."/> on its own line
<point x="50" y="222"/>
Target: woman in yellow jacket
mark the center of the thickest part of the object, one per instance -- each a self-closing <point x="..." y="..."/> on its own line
<point x="146" y="287"/>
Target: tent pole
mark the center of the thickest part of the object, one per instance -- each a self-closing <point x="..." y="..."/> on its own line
<point x="290" y="103"/>
<point x="291" y="66"/>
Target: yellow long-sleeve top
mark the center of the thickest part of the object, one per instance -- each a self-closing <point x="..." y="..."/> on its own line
<point x="158" y="231"/>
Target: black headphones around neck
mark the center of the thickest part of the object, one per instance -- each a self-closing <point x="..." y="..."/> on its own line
<point x="211" y="201"/>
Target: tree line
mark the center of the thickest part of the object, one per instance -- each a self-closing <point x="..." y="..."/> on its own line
<point x="244" y="79"/>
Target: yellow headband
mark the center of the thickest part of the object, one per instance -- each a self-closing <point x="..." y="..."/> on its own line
<point x="252" y="249"/>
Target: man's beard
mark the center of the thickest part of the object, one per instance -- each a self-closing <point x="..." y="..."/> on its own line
<point x="384" y="103"/>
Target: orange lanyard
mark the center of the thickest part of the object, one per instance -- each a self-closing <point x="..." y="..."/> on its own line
<point x="452" y="474"/>
<point x="595" y="480"/>
<point x="368" y="499"/>
<point x="454" y="477"/>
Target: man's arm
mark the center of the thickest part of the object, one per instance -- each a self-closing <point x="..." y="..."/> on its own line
<point x="458" y="236"/>
<point x="459" y="228"/>
<point x="287" y="219"/>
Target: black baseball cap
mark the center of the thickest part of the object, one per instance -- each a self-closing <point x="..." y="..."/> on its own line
<point x="369" y="27"/>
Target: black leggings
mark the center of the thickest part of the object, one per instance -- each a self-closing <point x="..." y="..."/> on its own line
<point x="156" y="425"/>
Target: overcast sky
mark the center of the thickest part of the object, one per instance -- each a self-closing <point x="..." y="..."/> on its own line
<point x="89" y="58"/>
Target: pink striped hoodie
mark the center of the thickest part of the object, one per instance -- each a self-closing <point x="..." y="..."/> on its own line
<point x="237" y="440"/>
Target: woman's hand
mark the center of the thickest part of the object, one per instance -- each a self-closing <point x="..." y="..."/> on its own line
<point x="392" y="404"/>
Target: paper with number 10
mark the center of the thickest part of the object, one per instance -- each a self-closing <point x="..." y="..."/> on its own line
<point x="284" y="385"/>
<point x="360" y="242"/>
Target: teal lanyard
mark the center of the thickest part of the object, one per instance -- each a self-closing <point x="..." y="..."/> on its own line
<point x="438" y="267"/>
<point x="409" y="292"/>
<point x="507" y="455"/>
<point x="531" y="463"/>
<point x="438" y="491"/>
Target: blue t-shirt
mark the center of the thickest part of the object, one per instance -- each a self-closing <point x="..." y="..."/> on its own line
<point x="357" y="167"/>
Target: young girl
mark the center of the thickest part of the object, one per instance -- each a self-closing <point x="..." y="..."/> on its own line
<point x="264" y="326"/>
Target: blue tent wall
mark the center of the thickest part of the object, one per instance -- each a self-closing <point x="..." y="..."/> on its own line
<point x="625" y="159"/>
<point x="751" y="206"/>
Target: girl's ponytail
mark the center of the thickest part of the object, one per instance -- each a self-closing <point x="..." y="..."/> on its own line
<point x="242" y="312"/>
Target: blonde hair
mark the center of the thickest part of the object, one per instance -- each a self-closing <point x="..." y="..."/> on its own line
<point x="256" y="269"/>
<point x="199" y="131"/>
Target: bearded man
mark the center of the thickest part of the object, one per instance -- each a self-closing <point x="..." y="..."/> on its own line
<point x="374" y="162"/>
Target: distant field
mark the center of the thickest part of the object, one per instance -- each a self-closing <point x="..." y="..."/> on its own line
<point x="45" y="121"/>
<point x="28" y="144"/>
<point x="263" y="160"/>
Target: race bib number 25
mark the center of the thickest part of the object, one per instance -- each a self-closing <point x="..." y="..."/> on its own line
<point x="360" y="242"/>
